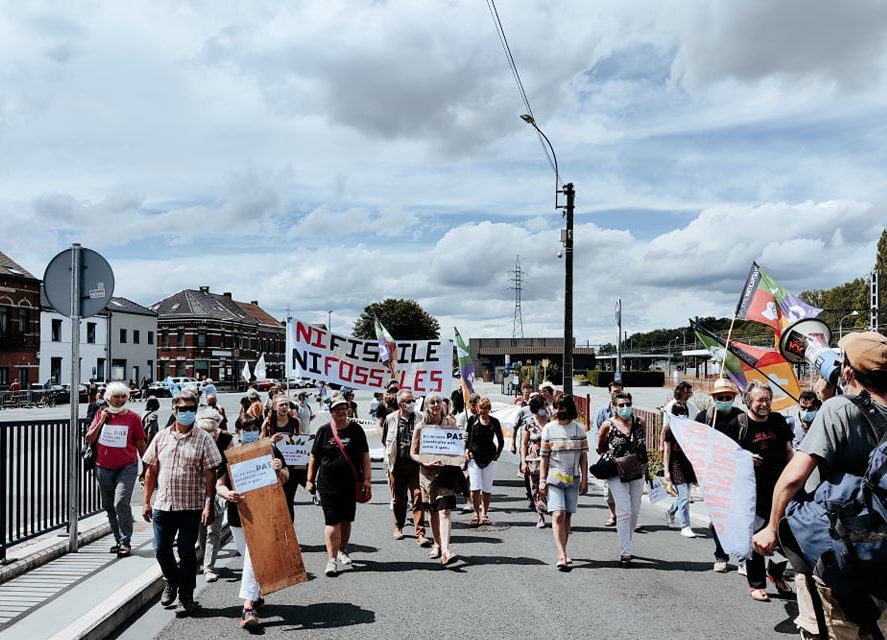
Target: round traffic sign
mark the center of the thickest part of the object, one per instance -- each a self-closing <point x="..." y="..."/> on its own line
<point x="96" y="282"/>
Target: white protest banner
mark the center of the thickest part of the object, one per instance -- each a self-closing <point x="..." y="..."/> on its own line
<point x="295" y="450"/>
<point x="423" y="366"/>
<point x="114" y="436"/>
<point x="726" y="475"/>
<point x="254" y="473"/>
<point x="441" y="442"/>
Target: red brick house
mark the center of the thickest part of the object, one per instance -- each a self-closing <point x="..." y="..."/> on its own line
<point x="19" y="324"/>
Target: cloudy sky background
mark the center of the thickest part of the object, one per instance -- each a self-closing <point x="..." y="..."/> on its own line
<point x="326" y="155"/>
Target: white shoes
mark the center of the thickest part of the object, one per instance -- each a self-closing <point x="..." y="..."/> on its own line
<point x="343" y="558"/>
<point x="687" y="532"/>
<point x="720" y="566"/>
<point x="331" y="570"/>
<point x="540" y="524"/>
<point x="742" y="570"/>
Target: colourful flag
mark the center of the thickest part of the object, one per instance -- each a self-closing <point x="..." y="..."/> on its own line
<point x="766" y="301"/>
<point x="744" y="362"/>
<point x="466" y="368"/>
<point x="387" y="347"/>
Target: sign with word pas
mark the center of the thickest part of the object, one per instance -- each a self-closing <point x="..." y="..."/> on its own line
<point x="445" y="445"/>
<point x="295" y="450"/>
<point x="423" y="366"/>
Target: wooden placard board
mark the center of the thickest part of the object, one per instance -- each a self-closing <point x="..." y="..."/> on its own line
<point x="441" y="444"/>
<point x="267" y="527"/>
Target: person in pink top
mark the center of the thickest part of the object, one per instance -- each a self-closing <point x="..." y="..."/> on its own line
<point x="120" y="441"/>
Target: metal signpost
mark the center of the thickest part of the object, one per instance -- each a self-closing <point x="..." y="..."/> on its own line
<point x="78" y="283"/>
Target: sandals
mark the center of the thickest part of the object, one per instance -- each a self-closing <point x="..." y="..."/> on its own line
<point x="448" y="557"/>
<point x="610" y="522"/>
<point x="759" y="594"/>
<point x="781" y="585"/>
<point x="486" y="520"/>
<point x="434" y="553"/>
<point x="475" y="520"/>
<point x="563" y="564"/>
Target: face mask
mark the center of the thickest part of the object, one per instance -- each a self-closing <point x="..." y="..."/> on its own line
<point x="542" y="413"/>
<point x="807" y="416"/>
<point x="410" y="407"/>
<point x="249" y="436"/>
<point x="724" y="405"/>
<point x="112" y="409"/>
<point x="186" y="417"/>
<point x="624" y="412"/>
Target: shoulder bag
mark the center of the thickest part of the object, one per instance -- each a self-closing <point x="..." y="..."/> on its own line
<point x="359" y="494"/>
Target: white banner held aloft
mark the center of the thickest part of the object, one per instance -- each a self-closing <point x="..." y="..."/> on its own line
<point x="423" y="366"/>
<point x="726" y="476"/>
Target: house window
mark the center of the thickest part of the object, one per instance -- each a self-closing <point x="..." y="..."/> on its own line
<point x="118" y="369"/>
<point x="56" y="330"/>
<point x="55" y="369"/>
<point x="4" y="320"/>
<point x="90" y="332"/>
<point x="136" y="336"/>
<point x="150" y="337"/>
<point x="201" y="339"/>
<point x="122" y="341"/>
<point x="164" y="338"/>
<point x="150" y="369"/>
<point x="180" y="338"/>
<point x="24" y="318"/>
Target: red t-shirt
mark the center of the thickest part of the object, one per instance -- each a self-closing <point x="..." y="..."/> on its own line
<point x="117" y="440"/>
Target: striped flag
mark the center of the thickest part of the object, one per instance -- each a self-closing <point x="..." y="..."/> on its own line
<point x="766" y="301"/>
<point x="387" y="347"/>
<point x="466" y="368"/>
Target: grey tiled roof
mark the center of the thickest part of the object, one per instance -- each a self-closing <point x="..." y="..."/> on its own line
<point x="9" y="267"/>
<point x="191" y="303"/>
<point x="124" y="305"/>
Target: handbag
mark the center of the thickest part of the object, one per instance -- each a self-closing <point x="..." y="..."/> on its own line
<point x="628" y="468"/>
<point x="603" y="469"/>
<point x="89" y="454"/>
<point x="359" y="494"/>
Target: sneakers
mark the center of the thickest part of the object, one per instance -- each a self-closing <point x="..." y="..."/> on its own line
<point x="720" y="566"/>
<point x="186" y="604"/>
<point x="209" y="575"/>
<point x="742" y="570"/>
<point x="669" y="519"/>
<point x="248" y="618"/>
<point x="687" y="532"/>
<point x="343" y="558"/>
<point x="331" y="570"/>
<point x="169" y="595"/>
<point x="541" y="523"/>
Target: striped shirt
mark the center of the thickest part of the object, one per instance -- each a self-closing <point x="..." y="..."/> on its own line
<point x="182" y="460"/>
<point x="564" y="445"/>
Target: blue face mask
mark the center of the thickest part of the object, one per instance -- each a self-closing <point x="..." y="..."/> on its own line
<point x="186" y="417"/>
<point x="249" y="436"/>
<point x="542" y="413"/>
<point x="624" y="412"/>
<point x="724" y="405"/>
<point x="807" y="416"/>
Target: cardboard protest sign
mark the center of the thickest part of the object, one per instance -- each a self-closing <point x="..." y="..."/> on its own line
<point x="267" y="526"/>
<point x="295" y="450"/>
<point x="439" y="443"/>
<point x="423" y="366"/>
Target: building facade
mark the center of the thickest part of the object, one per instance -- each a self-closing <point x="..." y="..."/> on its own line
<point x="490" y="355"/>
<point x="210" y="335"/>
<point x="118" y="343"/>
<point x="19" y="324"/>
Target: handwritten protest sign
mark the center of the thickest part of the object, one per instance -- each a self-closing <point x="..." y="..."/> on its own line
<point x="726" y="476"/>
<point x="445" y="445"/>
<point x="267" y="525"/>
<point x="295" y="451"/>
<point x="423" y="366"/>
<point x="114" y="436"/>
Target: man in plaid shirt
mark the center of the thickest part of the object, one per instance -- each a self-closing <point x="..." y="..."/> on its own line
<point x="180" y="465"/>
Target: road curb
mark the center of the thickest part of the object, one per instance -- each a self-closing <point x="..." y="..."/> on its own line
<point x="50" y="553"/>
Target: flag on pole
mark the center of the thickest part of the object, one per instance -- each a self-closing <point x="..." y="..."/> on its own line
<point x="766" y="301"/>
<point x="387" y="347"/>
<point x="744" y="362"/>
<point x="466" y="368"/>
<point x="245" y="374"/>
<point x="260" y="368"/>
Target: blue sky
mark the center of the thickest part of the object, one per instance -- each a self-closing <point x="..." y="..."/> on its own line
<point x="326" y="155"/>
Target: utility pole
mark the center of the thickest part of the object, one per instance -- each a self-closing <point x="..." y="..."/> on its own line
<point x="568" y="289"/>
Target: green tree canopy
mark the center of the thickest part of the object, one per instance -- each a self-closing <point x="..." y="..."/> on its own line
<point x="404" y="319"/>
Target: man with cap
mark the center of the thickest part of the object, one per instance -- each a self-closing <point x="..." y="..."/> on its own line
<point x="719" y="415"/>
<point x="839" y="440"/>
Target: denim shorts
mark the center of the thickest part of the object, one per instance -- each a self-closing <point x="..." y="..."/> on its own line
<point x="563" y="498"/>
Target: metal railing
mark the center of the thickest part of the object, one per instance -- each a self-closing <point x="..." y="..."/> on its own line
<point x="34" y="480"/>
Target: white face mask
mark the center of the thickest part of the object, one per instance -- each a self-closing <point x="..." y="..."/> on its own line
<point x="110" y="408"/>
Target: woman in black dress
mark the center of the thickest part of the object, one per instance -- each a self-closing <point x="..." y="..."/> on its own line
<point x="332" y="474"/>
<point x="281" y="425"/>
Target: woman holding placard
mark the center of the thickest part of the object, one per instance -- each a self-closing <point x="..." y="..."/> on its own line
<point x="120" y="442"/>
<point x="340" y="459"/>
<point x="436" y="480"/>
<point x="281" y="426"/>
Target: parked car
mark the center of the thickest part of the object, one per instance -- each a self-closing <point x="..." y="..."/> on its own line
<point x="264" y="385"/>
<point x="301" y="383"/>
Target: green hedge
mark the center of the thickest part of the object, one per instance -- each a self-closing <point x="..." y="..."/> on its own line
<point x="629" y="378"/>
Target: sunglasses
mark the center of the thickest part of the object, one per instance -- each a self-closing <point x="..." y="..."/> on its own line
<point x="624" y="404"/>
<point x="187" y="407"/>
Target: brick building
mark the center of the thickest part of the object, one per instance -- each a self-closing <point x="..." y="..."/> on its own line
<point x="205" y="334"/>
<point x="19" y="324"/>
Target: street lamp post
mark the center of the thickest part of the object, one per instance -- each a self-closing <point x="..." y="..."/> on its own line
<point x="841" y="323"/>
<point x="675" y="341"/>
<point x="567" y="240"/>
